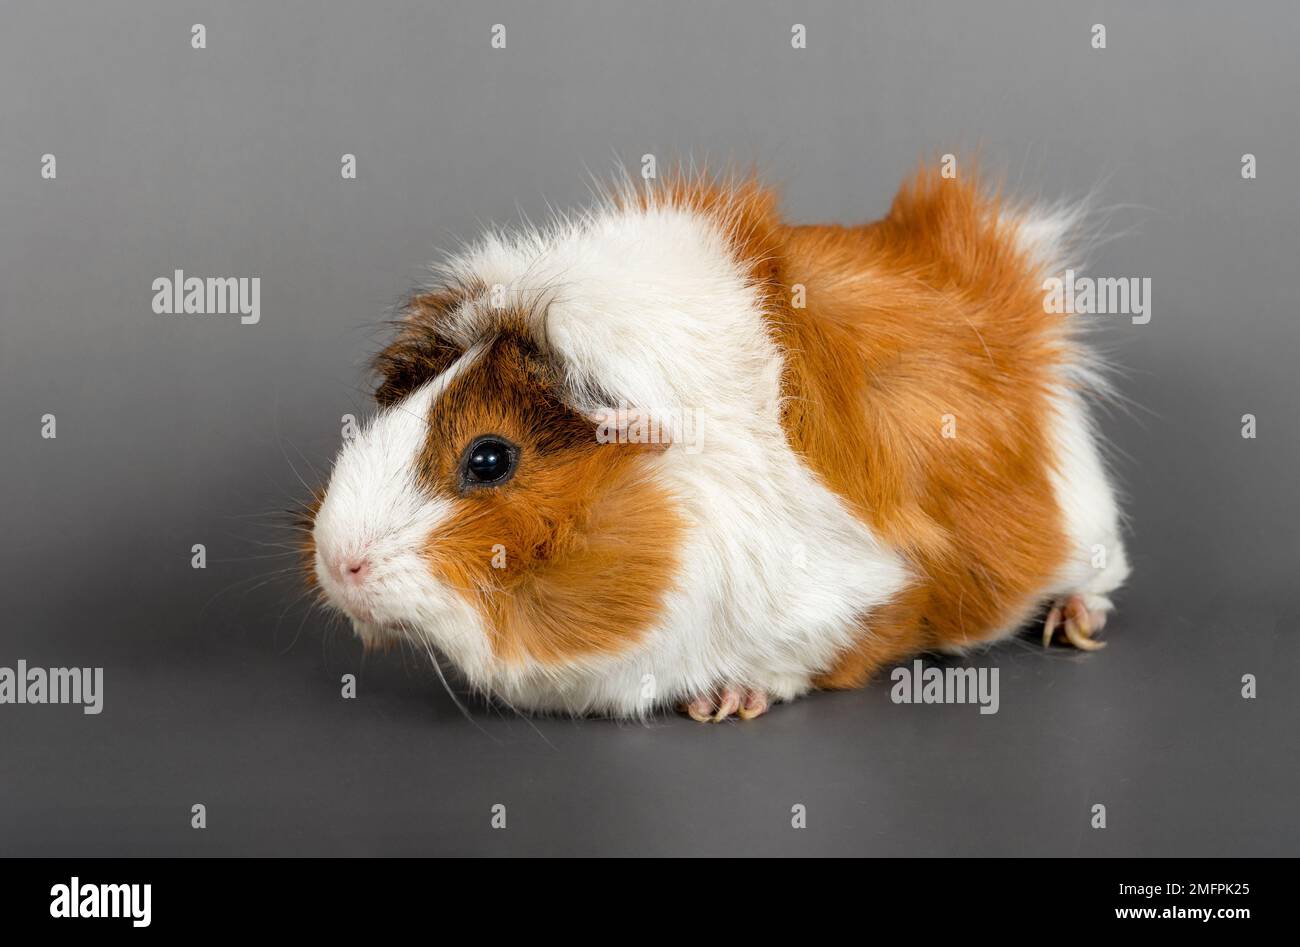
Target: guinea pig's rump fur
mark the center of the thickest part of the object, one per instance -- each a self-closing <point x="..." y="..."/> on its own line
<point x="929" y="388"/>
<point x="749" y="458"/>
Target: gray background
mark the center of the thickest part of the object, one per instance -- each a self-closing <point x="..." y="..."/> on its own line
<point x="178" y="430"/>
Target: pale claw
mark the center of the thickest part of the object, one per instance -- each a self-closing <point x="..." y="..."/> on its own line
<point x="729" y="705"/>
<point x="700" y="710"/>
<point x="1049" y="625"/>
<point x="1078" y="626"/>
<point x="755" y="705"/>
<point x="1076" y="622"/>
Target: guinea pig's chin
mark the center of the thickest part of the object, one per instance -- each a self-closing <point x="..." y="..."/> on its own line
<point x="376" y="628"/>
<point x="374" y="635"/>
<point x="379" y="633"/>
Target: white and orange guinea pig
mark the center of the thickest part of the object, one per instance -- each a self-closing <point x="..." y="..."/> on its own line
<point x="673" y="452"/>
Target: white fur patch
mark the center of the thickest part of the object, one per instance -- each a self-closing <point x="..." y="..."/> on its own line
<point x="375" y="507"/>
<point x="1097" y="563"/>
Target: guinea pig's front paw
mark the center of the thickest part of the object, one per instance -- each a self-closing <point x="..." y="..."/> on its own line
<point x="1079" y="617"/>
<point x="745" y="702"/>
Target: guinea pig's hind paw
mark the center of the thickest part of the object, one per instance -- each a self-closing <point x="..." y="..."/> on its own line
<point x="1076" y="622"/>
<point x="746" y="703"/>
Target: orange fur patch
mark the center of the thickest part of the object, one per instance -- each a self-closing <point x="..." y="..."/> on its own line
<point x="586" y="537"/>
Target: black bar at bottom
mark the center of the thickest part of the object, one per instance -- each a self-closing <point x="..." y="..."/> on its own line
<point x="333" y="897"/>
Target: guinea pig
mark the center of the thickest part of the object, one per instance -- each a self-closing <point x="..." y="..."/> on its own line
<point x="675" y="452"/>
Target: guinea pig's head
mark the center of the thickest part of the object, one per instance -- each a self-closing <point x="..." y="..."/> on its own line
<point x="481" y="514"/>
<point x="547" y="493"/>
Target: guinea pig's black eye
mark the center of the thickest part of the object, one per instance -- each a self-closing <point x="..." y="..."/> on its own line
<point x="490" y="461"/>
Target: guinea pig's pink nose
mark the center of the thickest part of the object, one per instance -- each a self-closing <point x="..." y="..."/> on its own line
<point x="354" y="569"/>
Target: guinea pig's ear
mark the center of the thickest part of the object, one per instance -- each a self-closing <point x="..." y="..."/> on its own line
<point x="645" y="429"/>
<point x="419" y="351"/>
